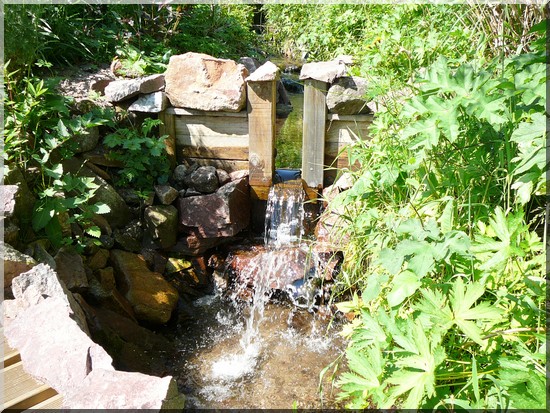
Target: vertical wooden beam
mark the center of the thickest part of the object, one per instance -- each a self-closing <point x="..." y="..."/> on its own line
<point x="168" y="127"/>
<point x="261" y="131"/>
<point x="313" y="145"/>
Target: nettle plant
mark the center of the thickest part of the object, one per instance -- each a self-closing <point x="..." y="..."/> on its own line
<point x="144" y="156"/>
<point x="445" y="258"/>
<point x="39" y="132"/>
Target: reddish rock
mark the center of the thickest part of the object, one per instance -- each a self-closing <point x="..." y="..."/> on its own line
<point x="200" y="81"/>
<point x="194" y="244"/>
<point x="152" y="298"/>
<point x="221" y="214"/>
<point x="14" y="262"/>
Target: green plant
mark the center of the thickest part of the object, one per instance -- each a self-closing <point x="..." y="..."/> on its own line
<point x="144" y="156"/>
<point x="443" y="260"/>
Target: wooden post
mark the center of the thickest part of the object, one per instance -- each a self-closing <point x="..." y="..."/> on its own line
<point x="313" y="145"/>
<point x="168" y="127"/>
<point x="261" y="132"/>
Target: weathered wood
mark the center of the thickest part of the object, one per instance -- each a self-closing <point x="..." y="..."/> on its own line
<point x="347" y="131"/>
<point x="168" y="127"/>
<point x="313" y="145"/>
<point x="11" y="356"/>
<point x="213" y="152"/>
<point x="53" y="403"/>
<point x="195" y="112"/>
<point x="226" y="164"/>
<point x="261" y="130"/>
<point x="262" y="193"/>
<point x="207" y="130"/>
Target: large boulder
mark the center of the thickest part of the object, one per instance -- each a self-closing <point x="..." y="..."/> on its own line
<point x="152" y="298"/>
<point x="347" y="96"/>
<point x="200" y="81"/>
<point x="14" y="262"/>
<point x="221" y="214"/>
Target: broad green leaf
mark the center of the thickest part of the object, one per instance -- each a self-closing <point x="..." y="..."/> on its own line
<point x="93" y="231"/>
<point x="405" y="284"/>
<point x="100" y="208"/>
<point x="527" y="131"/>
<point x="55" y="172"/>
<point x="43" y="213"/>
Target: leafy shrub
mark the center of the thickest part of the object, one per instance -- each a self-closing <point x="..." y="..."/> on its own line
<point x="144" y="156"/>
<point x="444" y="262"/>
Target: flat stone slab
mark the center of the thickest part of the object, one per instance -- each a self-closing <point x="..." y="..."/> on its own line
<point x="323" y="71"/>
<point x="151" y="103"/>
<point x="266" y="72"/>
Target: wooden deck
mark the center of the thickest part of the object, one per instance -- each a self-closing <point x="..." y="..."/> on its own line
<point x="20" y="390"/>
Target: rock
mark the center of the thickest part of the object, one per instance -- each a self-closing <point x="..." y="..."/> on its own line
<point x="193" y="280"/>
<point x="345" y="181"/>
<point x="11" y="232"/>
<point x="70" y="269"/>
<point x="347" y="96"/>
<point x="14" y="262"/>
<point x="193" y="244"/>
<point x="7" y="199"/>
<point x="237" y="175"/>
<point x="152" y="298"/>
<point x="103" y="224"/>
<point x="223" y="177"/>
<point x="98" y="171"/>
<point x="221" y="214"/>
<point x="109" y="299"/>
<point x="190" y="192"/>
<point x="292" y="85"/>
<point x="326" y="230"/>
<point x="99" y="85"/>
<point x="200" y="81"/>
<point x="38" y="250"/>
<point x="23" y="197"/>
<point x="175" y="264"/>
<point x="106" y="389"/>
<point x="119" y="214"/>
<point x="156" y="260"/>
<point x="39" y="284"/>
<point x="204" y="179"/>
<point x="120" y="90"/>
<point x="98" y="260"/>
<point x="151" y="103"/>
<point x="250" y="63"/>
<point x="267" y="72"/>
<point x="130" y="237"/>
<point x="106" y="278"/>
<point x="323" y="71"/>
<point x="166" y="194"/>
<point x="130" y="196"/>
<point x="161" y="223"/>
<point x="86" y="140"/>
<point x="179" y="174"/>
<point x="100" y="156"/>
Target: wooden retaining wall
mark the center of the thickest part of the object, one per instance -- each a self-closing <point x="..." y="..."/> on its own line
<point x="246" y="140"/>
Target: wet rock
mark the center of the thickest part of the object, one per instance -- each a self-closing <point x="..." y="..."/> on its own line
<point x="203" y="180"/>
<point x="193" y="244"/>
<point x="200" y="81"/>
<point x="191" y="278"/>
<point x="221" y="214"/>
<point x="166" y="194"/>
<point x="151" y="103"/>
<point x="326" y="230"/>
<point x="86" y="140"/>
<point x="347" y="96"/>
<point x="130" y="237"/>
<point x="14" y="262"/>
<point x="175" y="264"/>
<point x="152" y="298"/>
<point x="323" y="71"/>
<point x="70" y="269"/>
<point x="179" y="174"/>
<point x="109" y="299"/>
<point x="161" y="224"/>
<point x="98" y="260"/>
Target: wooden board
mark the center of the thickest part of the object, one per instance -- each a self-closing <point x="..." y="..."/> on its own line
<point x="206" y="130"/>
<point x="53" y="403"/>
<point x="11" y="356"/>
<point x="261" y="130"/>
<point x="347" y="131"/>
<point x="313" y="144"/>
<point x="168" y="127"/>
<point x="226" y="153"/>
<point x="21" y="391"/>
<point x="195" y="112"/>
<point x="228" y="165"/>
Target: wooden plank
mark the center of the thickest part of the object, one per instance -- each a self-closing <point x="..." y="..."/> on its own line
<point x="261" y="130"/>
<point x="211" y="131"/>
<point x="347" y="131"/>
<point x="350" y="118"/>
<point x="195" y="112"/>
<point x="21" y="391"/>
<point x="11" y="356"/>
<point x="313" y="147"/>
<point x="53" y="403"/>
<point x="226" y="164"/>
<point x="235" y="153"/>
<point x="168" y="127"/>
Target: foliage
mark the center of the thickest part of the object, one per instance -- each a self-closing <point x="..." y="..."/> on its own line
<point x="144" y="156"/>
<point x="39" y="133"/>
<point x="445" y="253"/>
<point x="143" y="36"/>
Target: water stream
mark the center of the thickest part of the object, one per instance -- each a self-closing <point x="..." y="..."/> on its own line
<point x="267" y="351"/>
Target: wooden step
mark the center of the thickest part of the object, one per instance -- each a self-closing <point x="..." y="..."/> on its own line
<point x="53" y="403"/>
<point x="11" y="356"/>
<point x="21" y="391"/>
